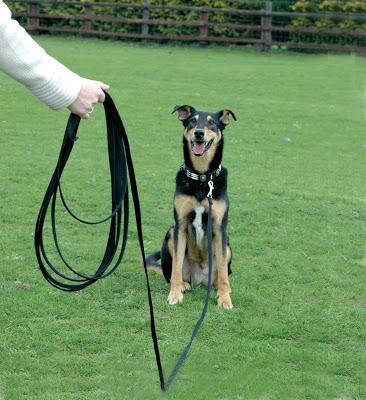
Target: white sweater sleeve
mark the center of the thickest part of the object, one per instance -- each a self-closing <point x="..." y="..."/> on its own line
<point x="24" y="60"/>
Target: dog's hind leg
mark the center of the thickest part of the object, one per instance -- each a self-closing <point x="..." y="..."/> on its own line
<point x="167" y="255"/>
<point x="152" y="264"/>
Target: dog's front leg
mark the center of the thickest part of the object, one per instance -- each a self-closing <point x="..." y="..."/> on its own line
<point x="183" y="205"/>
<point x="177" y="285"/>
<point x="222" y="281"/>
<point x="222" y="284"/>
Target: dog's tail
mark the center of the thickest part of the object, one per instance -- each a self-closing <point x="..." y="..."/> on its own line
<point x="152" y="264"/>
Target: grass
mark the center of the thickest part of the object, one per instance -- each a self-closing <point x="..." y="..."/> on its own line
<point x="296" y="159"/>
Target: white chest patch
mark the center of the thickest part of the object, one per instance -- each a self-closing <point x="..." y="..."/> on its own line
<point x="197" y="223"/>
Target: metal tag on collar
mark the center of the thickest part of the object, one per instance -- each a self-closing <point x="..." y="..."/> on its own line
<point x="211" y="186"/>
<point x="203" y="178"/>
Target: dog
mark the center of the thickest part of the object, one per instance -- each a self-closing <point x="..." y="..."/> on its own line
<point x="184" y="252"/>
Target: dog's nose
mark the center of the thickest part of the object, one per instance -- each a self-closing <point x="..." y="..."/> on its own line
<point x="199" y="134"/>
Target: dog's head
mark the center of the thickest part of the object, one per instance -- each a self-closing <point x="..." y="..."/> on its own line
<point x="203" y="130"/>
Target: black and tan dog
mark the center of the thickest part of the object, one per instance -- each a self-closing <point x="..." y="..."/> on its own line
<point x="184" y="253"/>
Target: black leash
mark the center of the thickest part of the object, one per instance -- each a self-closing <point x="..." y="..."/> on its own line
<point x="120" y="163"/>
<point x="184" y="354"/>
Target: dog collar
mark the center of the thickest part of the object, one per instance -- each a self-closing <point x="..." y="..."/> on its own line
<point x="201" y="177"/>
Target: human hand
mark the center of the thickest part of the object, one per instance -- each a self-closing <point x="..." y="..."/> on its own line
<point x="91" y="93"/>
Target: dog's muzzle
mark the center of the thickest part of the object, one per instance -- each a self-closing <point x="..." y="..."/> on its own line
<point x="199" y="144"/>
<point x="199" y="147"/>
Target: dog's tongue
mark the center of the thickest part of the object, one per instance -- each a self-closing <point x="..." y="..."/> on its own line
<point x="198" y="148"/>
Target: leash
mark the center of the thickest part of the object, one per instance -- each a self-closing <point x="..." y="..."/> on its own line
<point x="121" y="169"/>
<point x="184" y="353"/>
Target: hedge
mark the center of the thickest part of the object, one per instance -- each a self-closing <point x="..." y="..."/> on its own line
<point x="345" y="25"/>
<point x="339" y="6"/>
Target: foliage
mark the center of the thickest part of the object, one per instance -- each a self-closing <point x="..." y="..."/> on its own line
<point x="173" y="15"/>
<point x="189" y="20"/>
<point x="345" y="24"/>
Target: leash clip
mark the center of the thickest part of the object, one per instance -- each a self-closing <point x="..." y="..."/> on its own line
<point x="211" y="186"/>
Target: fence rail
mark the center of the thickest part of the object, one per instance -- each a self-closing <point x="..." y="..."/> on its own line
<point x="263" y="27"/>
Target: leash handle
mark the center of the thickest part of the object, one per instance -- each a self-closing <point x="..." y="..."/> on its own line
<point x="115" y="247"/>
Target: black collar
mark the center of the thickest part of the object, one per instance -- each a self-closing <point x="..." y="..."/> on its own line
<point x="208" y="176"/>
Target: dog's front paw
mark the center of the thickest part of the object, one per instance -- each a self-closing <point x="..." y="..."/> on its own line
<point x="175" y="296"/>
<point x="176" y="293"/>
<point x="224" y="301"/>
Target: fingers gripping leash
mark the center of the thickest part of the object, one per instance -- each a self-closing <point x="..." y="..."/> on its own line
<point x="121" y="168"/>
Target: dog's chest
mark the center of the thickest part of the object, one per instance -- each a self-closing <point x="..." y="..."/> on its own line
<point x="198" y="225"/>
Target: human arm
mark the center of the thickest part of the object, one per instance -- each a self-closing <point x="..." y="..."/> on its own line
<point x="47" y="79"/>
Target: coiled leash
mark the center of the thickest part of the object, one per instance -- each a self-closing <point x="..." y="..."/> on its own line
<point x="121" y="167"/>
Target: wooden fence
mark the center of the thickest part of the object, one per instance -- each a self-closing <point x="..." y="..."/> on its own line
<point x="266" y="28"/>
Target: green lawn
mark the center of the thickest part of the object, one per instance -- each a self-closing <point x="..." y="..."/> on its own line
<point x="296" y="159"/>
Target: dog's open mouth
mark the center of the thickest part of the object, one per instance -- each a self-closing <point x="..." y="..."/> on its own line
<point x="199" y="147"/>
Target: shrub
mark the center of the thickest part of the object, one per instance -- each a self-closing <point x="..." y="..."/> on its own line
<point x="345" y="24"/>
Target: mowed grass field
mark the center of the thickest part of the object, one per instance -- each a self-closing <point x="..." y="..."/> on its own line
<point x="296" y="158"/>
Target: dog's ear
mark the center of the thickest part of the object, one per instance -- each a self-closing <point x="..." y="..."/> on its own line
<point x="184" y="112"/>
<point x="223" y="116"/>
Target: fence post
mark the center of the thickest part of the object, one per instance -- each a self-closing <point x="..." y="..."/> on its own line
<point x="266" y="23"/>
<point x="33" y="22"/>
<point x="88" y="12"/>
<point x="145" y="16"/>
<point x="204" y="27"/>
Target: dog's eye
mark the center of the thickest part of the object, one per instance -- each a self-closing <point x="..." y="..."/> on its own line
<point x="193" y="121"/>
<point x="211" y="122"/>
